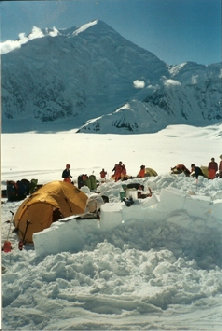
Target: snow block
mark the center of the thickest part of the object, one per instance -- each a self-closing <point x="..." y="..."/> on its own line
<point x="110" y="215"/>
<point x="171" y="200"/>
<point x="198" y="206"/>
<point x="64" y="235"/>
<point x="133" y="212"/>
<point x="216" y="210"/>
<point x="150" y="201"/>
<point x="140" y="210"/>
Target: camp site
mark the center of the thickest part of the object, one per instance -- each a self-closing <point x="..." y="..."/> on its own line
<point x="111" y="261"/>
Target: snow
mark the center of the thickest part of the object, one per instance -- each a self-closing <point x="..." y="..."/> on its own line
<point x="171" y="82"/>
<point x="36" y="33"/>
<point x="188" y="98"/>
<point x="139" y="84"/>
<point x="153" y="265"/>
<point x="84" y="27"/>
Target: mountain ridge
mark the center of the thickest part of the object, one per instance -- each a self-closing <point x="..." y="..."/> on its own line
<point x="70" y="78"/>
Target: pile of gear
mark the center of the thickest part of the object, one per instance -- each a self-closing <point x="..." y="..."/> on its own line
<point x="18" y="190"/>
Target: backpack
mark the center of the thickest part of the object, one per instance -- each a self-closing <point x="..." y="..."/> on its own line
<point x="21" y="190"/>
<point x="80" y="181"/>
<point x="11" y="190"/>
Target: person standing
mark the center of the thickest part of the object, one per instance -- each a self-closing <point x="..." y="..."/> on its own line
<point x="117" y="171"/>
<point x="103" y="174"/>
<point x="123" y="172"/>
<point x="142" y="171"/>
<point x="66" y="174"/>
<point x="212" y="168"/>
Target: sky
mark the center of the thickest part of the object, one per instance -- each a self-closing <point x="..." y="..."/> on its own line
<point x="175" y="30"/>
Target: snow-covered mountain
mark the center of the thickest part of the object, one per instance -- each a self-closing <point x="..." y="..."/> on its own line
<point x="93" y="78"/>
<point x="72" y="76"/>
<point x="192" y="95"/>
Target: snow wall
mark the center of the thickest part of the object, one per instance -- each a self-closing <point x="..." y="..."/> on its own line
<point x="179" y="221"/>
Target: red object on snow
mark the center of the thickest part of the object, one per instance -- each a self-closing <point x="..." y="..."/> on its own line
<point x="20" y="245"/>
<point x="7" y="247"/>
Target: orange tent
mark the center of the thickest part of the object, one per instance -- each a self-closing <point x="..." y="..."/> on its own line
<point x="54" y="200"/>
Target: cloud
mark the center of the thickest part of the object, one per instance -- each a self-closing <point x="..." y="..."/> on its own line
<point x="10" y="45"/>
<point x="54" y="32"/>
<point x="171" y="82"/>
<point x="36" y="33"/>
<point x="139" y="84"/>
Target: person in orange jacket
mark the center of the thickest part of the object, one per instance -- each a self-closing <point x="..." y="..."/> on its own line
<point x="117" y="171"/>
<point x="213" y="168"/>
<point x="142" y="171"/>
<point x="123" y="172"/>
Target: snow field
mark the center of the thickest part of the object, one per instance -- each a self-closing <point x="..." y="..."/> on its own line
<point x="153" y="265"/>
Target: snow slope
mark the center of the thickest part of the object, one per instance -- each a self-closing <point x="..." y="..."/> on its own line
<point x="154" y="265"/>
<point x="192" y="95"/>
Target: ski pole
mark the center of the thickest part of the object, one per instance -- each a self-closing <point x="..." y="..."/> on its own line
<point x="7" y="246"/>
<point x="10" y="224"/>
<point x="22" y="242"/>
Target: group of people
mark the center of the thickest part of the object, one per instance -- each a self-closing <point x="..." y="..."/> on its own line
<point x="213" y="170"/>
<point x="119" y="173"/>
<point x="119" y="170"/>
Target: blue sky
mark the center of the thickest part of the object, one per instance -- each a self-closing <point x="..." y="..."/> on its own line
<point x="174" y="30"/>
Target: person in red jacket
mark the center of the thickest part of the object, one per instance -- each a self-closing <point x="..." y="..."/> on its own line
<point x="179" y="168"/>
<point x="103" y="174"/>
<point x="220" y="167"/>
<point x="142" y="171"/>
<point x="213" y="168"/>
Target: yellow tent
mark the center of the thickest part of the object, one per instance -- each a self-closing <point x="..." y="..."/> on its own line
<point x="205" y="171"/>
<point x="149" y="172"/>
<point x="54" y="200"/>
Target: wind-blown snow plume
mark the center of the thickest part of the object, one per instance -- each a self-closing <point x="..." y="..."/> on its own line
<point x="36" y="33"/>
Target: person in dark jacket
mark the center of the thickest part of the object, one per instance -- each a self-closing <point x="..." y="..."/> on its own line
<point x="196" y="171"/>
<point x="66" y="174"/>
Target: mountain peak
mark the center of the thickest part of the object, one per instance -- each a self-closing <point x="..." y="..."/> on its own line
<point x="84" y="27"/>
